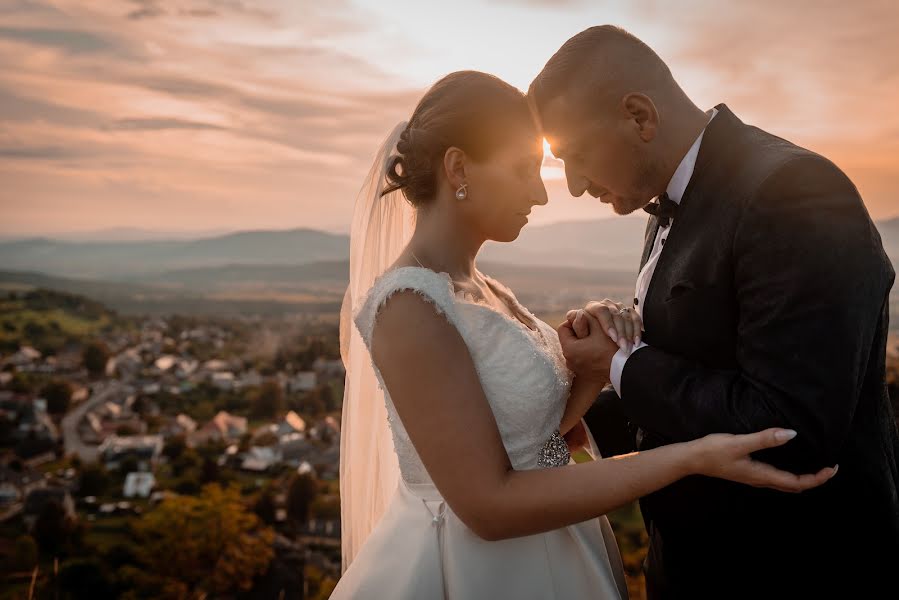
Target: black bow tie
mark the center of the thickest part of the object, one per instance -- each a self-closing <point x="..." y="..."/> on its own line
<point x="664" y="210"/>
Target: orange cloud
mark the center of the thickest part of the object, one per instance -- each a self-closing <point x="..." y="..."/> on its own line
<point x="230" y="114"/>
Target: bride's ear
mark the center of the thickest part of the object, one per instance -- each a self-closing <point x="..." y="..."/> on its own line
<point x="454" y="165"/>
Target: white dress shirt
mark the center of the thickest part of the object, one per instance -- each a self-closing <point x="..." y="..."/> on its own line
<point x="675" y="190"/>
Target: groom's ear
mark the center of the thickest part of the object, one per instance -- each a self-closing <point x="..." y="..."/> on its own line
<point x="642" y="112"/>
<point x="454" y="164"/>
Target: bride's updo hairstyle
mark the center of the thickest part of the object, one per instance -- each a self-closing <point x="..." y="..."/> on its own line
<point x="473" y="111"/>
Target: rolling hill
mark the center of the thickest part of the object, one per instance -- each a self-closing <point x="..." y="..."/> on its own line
<point x="301" y="270"/>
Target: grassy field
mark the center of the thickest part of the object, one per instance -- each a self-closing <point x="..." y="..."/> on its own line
<point x="49" y="320"/>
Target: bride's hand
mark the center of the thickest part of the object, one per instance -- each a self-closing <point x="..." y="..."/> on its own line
<point x="621" y="323"/>
<point x="727" y="456"/>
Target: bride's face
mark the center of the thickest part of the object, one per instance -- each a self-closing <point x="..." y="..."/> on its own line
<point x="503" y="189"/>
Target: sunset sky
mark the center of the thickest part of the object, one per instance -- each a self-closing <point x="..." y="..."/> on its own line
<point x="219" y="115"/>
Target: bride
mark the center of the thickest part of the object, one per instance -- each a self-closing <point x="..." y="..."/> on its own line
<point x="456" y="481"/>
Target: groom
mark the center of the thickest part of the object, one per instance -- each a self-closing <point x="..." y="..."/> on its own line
<point x="763" y="289"/>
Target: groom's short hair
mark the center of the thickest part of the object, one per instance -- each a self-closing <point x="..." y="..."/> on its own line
<point x="599" y="61"/>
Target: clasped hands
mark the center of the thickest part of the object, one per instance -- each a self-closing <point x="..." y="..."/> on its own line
<point x="591" y="336"/>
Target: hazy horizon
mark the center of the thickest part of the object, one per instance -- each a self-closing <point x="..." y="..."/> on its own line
<point x="128" y="233"/>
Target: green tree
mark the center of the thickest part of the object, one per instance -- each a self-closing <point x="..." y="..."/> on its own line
<point x="94" y="480"/>
<point x="94" y="357"/>
<point x="25" y="553"/>
<point x="209" y="545"/>
<point x="209" y="473"/>
<point x="265" y="506"/>
<point x="120" y="554"/>
<point x="34" y="330"/>
<point x="174" y="447"/>
<point x="300" y="495"/>
<point x="269" y="400"/>
<point x="86" y="578"/>
<point x="187" y="486"/>
<point x="188" y="460"/>
<point x="325" y="507"/>
<point x="54" y="530"/>
<point x="20" y="383"/>
<point x="314" y="403"/>
<point x="58" y="394"/>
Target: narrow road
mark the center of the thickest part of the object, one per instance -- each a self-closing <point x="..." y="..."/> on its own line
<point x="100" y="393"/>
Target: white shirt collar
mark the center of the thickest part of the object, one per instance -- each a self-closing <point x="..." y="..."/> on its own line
<point x="684" y="171"/>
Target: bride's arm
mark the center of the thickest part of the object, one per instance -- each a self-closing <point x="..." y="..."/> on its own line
<point x="433" y="383"/>
<point x="581" y="397"/>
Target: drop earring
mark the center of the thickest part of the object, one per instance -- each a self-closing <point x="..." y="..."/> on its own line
<point x="462" y="192"/>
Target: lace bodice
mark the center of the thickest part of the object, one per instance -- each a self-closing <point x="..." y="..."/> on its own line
<point x="522" y="371"/>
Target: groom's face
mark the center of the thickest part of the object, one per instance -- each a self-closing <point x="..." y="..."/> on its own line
<point x="602" y="154"/>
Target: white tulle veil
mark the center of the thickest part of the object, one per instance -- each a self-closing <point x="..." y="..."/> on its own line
<point x="369" y="471"/>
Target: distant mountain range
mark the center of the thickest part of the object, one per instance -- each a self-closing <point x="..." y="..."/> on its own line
<point x="612" y="244"/>
<point x="274" y="272"/>
<point x="132" y="260"/>
<point x="119" y="234"/>
<point x="608" y="244"/>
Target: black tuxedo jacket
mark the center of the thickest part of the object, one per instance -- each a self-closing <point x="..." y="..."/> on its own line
<point x="768" y="307"/>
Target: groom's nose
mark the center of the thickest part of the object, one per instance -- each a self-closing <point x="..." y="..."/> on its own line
<point x="577" y="184"/>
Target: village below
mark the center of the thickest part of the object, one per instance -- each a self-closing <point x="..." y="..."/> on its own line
<point x="157" y="457"/>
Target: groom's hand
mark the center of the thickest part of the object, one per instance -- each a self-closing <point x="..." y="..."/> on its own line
<point x="589" y="357"/>
<point x="621" y="323"/>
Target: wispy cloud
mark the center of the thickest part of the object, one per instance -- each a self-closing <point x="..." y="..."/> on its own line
<point x="159" y="124"/>
<point x="229" y="113"/>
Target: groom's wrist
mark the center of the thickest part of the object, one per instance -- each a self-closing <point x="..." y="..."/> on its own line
<point x="619" y="360"/>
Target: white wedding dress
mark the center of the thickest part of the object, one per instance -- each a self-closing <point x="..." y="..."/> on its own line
<point x="420" y="550"/>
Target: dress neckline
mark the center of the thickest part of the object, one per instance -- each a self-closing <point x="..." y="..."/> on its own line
<point x="494" y="285"/>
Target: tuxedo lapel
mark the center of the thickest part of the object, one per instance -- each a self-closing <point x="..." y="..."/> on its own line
<point x="714" y="150"/>
<point x="652" y="229"/>
<point x="722" y="121"/>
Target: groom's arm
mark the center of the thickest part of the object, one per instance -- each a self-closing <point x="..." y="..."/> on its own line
<point x="811" y="282"/>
